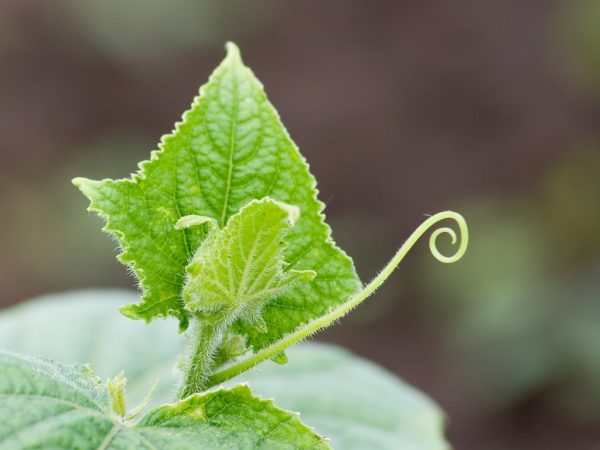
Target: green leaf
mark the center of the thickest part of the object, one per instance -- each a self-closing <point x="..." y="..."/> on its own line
<point x="355" y="403"/>
<point x="227" y="419"/>
<point x="239" y="269"/>
<point x="235" y="272"/>
<point x="230" y="149"/>
<point x="86" y="326"/>
<point x="47" y="405"/>
<point x="50" y="405"/>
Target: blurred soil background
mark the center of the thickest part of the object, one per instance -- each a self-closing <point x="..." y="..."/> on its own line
<point x="403" y="108"/>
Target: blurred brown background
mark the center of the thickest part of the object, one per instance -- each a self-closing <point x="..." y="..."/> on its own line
<point x="403" y="108"/>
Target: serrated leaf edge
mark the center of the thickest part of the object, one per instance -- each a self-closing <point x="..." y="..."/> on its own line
<point x="242" y="388"/>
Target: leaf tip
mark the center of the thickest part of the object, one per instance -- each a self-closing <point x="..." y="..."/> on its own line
<point x="85" y="185"/>
<point x="193" y="219"/>
<point x="130" y="311"/>
<point x="293" y="212"/>
<point x="233" y="51"/>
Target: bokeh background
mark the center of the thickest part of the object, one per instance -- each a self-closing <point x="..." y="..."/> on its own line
<point x="403" y="108"/>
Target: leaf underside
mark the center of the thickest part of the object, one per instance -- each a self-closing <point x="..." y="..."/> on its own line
<point x="49" y="405"/>
<point x="229" y="149"/>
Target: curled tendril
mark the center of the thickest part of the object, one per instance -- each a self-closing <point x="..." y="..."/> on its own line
<point x="315" y="325"/>
<point x="464" y="235"/>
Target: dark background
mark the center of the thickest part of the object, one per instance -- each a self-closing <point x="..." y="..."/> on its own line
<point x="403" y="108"/>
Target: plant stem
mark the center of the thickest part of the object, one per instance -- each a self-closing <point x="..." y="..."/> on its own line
<point x="317" y="324"/>
<point x="201" y="362"/>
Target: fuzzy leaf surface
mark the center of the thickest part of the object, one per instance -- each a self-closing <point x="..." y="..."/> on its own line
<point x="230" y="148"/>
<point x="239" y="269"/>
<point x="49" y="405"/>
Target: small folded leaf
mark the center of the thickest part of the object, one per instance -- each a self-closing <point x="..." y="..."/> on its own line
<point x="44" y="404"/>
<point x="230" y="148"/>
<point x="239" y="269"/>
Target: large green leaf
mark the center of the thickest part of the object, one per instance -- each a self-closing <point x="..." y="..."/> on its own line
<point x="48" y="405"/>
<point x="229" y="149"/>
<point x="353" y="402"/>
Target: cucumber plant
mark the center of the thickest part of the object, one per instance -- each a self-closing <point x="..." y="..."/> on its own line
<point x="224" y="232"/>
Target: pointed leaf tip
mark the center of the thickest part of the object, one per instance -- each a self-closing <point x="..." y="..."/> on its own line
<point x="82" y="183"/>
<point x="233" y="51"/>
<point x="89" y="188"/>
<point x="130" y="312"/>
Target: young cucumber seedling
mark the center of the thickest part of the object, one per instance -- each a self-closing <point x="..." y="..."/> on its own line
<point x="223" y="231"/>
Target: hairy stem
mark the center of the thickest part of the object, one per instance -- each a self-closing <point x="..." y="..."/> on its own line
<point x="319" y="323"/>
<point x="201" y="361"/>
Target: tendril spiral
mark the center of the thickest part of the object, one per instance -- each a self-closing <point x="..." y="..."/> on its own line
<point x="464" y="235"/>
